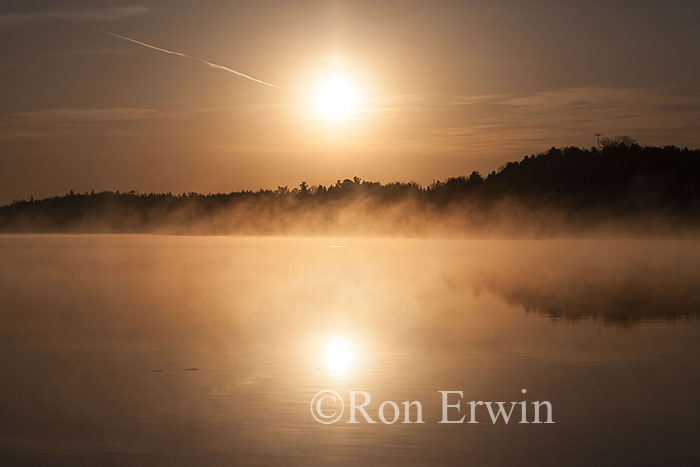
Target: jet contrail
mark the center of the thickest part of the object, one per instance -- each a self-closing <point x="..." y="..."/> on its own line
<point x="209" y="64"/>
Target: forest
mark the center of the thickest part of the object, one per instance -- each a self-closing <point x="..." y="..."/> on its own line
<point x="619" y="184"/>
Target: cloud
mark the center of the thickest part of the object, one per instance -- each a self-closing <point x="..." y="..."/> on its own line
<point x="46" y="123"/>
<point x="102" y="14"/>
<point x="499" y="127"/>
<point x="87" y="52"/>
<point x="84" y="116"/>
<point x="570" y="116"/>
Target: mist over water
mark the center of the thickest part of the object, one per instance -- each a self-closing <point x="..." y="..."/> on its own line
<point x="181" y="350"/>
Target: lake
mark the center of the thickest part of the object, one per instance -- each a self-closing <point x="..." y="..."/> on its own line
<point x="178" y="350"/>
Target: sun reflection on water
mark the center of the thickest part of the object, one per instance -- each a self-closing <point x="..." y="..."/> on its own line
<point x="339" y="355"/>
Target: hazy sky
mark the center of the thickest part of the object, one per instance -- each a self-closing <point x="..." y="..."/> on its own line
<point x="443" y="88"/>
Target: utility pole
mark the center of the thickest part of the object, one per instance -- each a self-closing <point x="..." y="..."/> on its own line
<point x="598" y="135"/>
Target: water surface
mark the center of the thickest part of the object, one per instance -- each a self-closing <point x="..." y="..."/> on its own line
<point x="158" y="350"/>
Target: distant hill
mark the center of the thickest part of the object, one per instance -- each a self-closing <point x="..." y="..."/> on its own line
<point x="624" y="185"/>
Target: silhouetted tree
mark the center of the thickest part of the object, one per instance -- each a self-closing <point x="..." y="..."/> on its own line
<point x="613" y="141"/>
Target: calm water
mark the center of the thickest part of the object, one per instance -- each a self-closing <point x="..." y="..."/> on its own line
<point x="148" y="350"/>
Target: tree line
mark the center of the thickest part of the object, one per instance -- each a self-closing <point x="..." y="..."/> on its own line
<point x="621" y="178"/>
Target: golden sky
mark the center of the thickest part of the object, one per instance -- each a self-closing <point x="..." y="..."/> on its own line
<point x="418" y="90"/>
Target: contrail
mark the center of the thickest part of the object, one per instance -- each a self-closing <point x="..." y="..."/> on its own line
<point x="209" y="64"/>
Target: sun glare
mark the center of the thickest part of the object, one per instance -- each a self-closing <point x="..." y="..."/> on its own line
<point x="338" y="355"/>
<point x="335" y="98"/>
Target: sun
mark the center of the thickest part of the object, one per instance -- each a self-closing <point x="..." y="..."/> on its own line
<point x="335" y="98"/>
